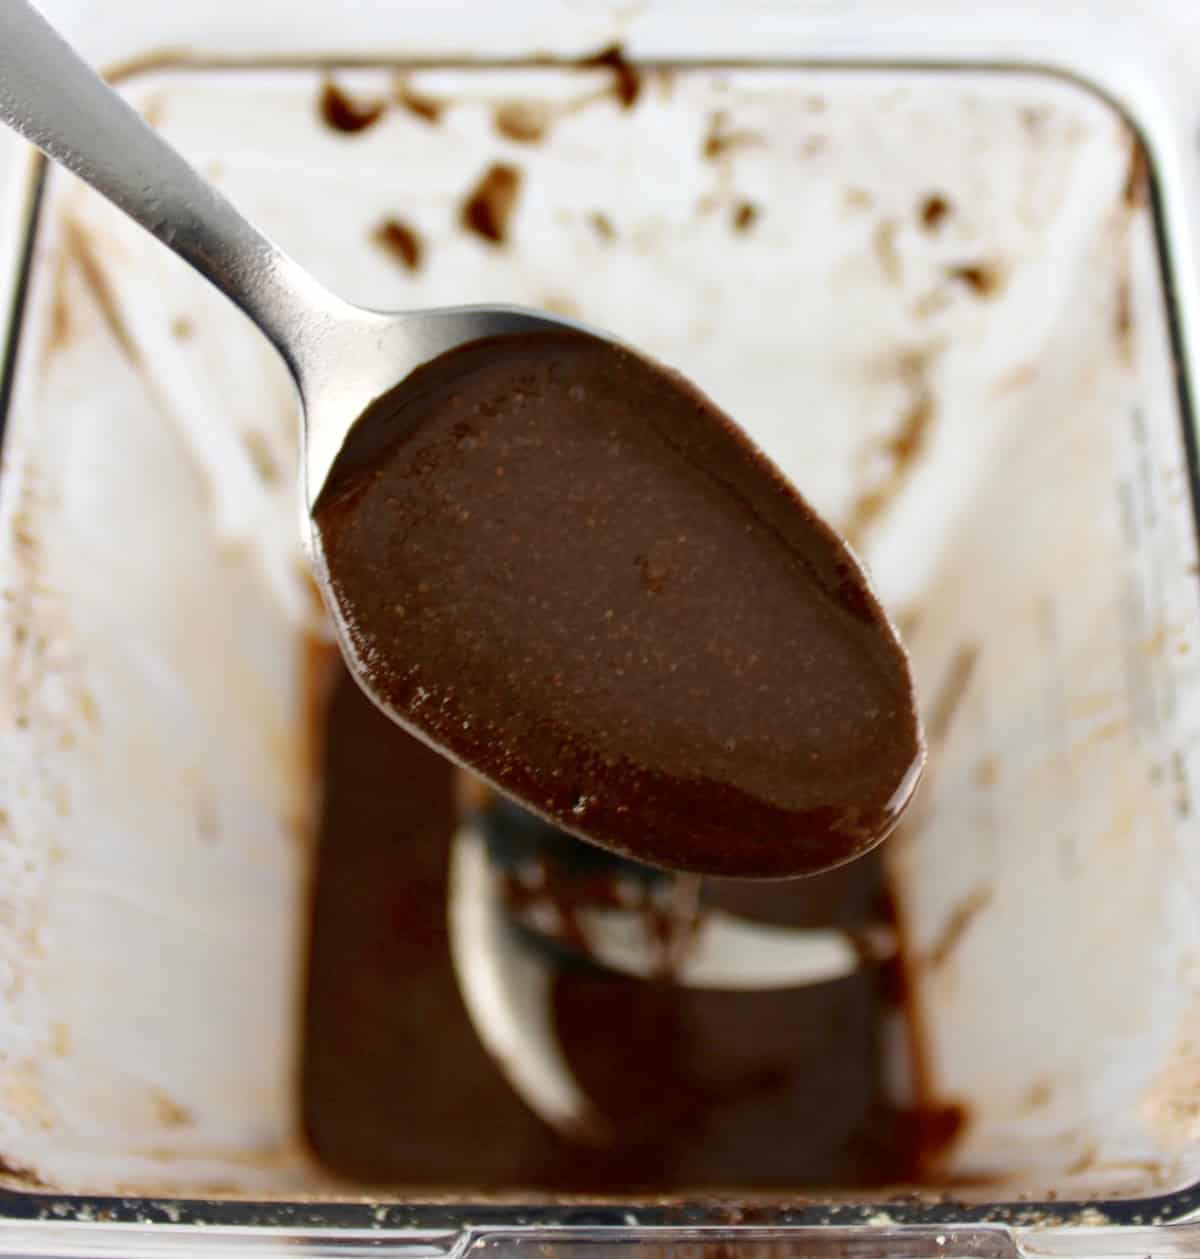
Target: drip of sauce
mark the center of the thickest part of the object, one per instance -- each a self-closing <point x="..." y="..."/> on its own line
<point x="563" y="566"/>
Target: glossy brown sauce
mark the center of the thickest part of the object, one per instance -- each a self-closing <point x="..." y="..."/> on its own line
<point x="704" y="1091"/>
<point x="564" y="566"/>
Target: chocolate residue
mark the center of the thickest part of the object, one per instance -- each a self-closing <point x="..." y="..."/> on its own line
<point x="952" y="692"/>
<point x="745" y="215"/>
<point x="902" y="447"/>
<point x="720" y="140"/>
<point x="168" y="1112"/>
<point x="488" y="208"/>
<point x="957" y="923"/>
<point x="1040" y="1094"/>
<point x="984" y="279"/>
<point x="627" y="81"/>
<point x="858" y="199"/>
<point x="427" y="108"/>
<point x="557" y="304"/>
<point x="400" y="241"/>
<point x="1123" y="323"/>
<point x="79" y="249"/>
<point x="58" y="334"/>
<point x="884" y="243"/>
<point x="341" y="113"/>
<point x="986" y="772"/>
<point x="262" y="456"/>
<point x="730" y="1092"/>
<point x="154" y="110"/>
<point x="602" y="225"/>
<point x="933" y="211"/>
<point x="1034" y="119"/>
<point x="525" y="122"/>
<point x="1136" y="191"/>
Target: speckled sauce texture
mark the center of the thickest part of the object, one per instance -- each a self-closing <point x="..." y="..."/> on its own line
<point x="564" y="566"/>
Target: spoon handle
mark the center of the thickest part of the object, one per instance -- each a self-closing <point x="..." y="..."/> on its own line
<point x="57" y="102"/>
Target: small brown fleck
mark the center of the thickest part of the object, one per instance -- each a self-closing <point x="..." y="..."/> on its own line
<point x="1020" y="376"/>
<point x="524" y="122"/>
<point x="986" y="772"/>
<point x="1039" y="1095"/>
<point x="932" y="303"/>
<point x="182" y="328"/>
<point x="984" y="279"/>
<point x="1085" y="1162"/>
<point x="401" y="241"/>
<point x="858" y="199"/>
<point x="557" y="304"/>
<point x="341" y="113"/>
<point x="957" y="923"/>
<point x="745" y="215"/>
<point x="81" y="250"/>
<point x="1123" y="324"/>
<point x="489" y="206"/>
<point x="427" y="108"/>
<point x="59" y="333"/>
<point x="627" y="82"/>
<point x="153" y="110"/>
<point x="168" y="1112"/>
<point x="1034" y="118"/>
<point x="261" y="455"/>
<point x="888" y="256"/>
<point x="720" y="140"/>
<point x="602" y="225"/>
<point x="934" y="211"/>
<point x="1137" y="175"/>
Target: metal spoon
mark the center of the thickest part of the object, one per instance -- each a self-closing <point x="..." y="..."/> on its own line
<point x="340" y="356"/>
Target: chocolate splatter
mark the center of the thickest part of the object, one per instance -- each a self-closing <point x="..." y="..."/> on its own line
<point x="401" y="241"/>
<point x="888" y="256"/>
<point x="489" y="206"/>
<point x="902" y="447"/>
<point x="983" y="279"/>
<point x="1136" y="191"/>
<point x="341" y="113"/>
<point x="80" y="249"/>
<point x="261" y="456"/>
<point x="602" y="225"/>
<point x="745" y="215"/>
<point x="721" y="139"/>
<point x="858" y="199"/>
<point x="1123" y="322"/>
<point x="933" y="211"/>
<point x="524" y="122"/>
<point x="427" y="108"/>
<point x="627" y="82"/>
<point x="557" y="304"/>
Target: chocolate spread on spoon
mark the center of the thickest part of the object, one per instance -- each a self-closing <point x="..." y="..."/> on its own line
<point x="563" y="566"/>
